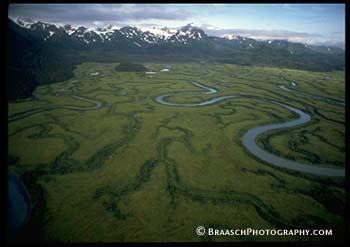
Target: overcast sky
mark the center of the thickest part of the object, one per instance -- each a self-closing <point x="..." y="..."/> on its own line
<point x="310" y="23"/>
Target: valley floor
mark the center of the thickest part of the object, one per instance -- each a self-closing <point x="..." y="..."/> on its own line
<point x="102" y="160"/>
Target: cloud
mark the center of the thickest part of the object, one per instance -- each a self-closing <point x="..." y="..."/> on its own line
<point x="316" y="7"/>
<point x="260" y="34"/>
<point x="288" y="6"/>
<point x="90" y="13"/>
<point x="170" y="15"/>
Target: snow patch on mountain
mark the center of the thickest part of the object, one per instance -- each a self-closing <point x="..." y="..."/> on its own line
<point x="26" y="23"/>
<point x="142" y="34"/>
<point x="159" y="32"/>
<point x="230" y="37"/>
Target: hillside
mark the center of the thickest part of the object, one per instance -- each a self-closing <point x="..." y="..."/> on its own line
<point x="47" y="53"/>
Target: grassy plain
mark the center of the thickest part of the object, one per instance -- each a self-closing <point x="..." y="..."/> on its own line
<point x="135" y="170"/>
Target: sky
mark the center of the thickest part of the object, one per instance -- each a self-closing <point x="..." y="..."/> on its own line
<point x="307" y="23"/>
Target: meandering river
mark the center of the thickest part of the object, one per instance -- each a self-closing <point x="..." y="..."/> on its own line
<point x="18" y="201"/>
<point x="20" y="115"/>
<point x="249" y="138"/>
<point x="19" y="205"/>
<point x="312" y="96"/>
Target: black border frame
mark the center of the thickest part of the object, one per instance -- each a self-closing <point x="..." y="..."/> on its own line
<point x="4" y="130"/>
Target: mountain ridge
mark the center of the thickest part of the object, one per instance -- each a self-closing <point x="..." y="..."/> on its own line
<point x="154" y="32"/>
<point x="48" y="53"/>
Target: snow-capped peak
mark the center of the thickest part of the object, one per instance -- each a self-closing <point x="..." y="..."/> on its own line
<point x="188" y="32"/>
<point x="105" y="33"/>
<point x="235" y="37"/>
<point x="159" y="32"/>
<point x="188" y="27"/>
<point x="69" y="29"/>
<point x="130" y="32"/>
<point x="26" y="22"/>
<point x="112" y="27"/>
<point x="42" y="25"/>
<point x="230" y="36"/>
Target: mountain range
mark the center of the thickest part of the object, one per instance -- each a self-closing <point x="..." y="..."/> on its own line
<point x="40" y="52"/>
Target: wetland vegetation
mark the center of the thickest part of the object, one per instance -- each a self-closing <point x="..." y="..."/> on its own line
<point x="102" y="160"/>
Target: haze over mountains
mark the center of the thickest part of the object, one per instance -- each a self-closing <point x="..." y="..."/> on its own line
<point x="146" y="35"/>
<point x="41" y="52"/>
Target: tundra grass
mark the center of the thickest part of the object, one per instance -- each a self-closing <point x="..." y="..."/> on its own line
<point x="135" y="170"/>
